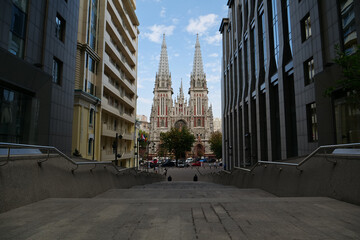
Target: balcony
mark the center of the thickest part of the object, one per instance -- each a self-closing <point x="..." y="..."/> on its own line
<point x="127" y="155"/>
<point x="108" y="131"/>
<point x="128" y="136"/>
<point x="115" y="51"/>
<point x="120" y="42"/>
<point x="117" y="21"/>
<point x="106" y="106"/>
<point x="118" y="92"/>
<point x="119" y="74"/>
<point x="129" y="27"/>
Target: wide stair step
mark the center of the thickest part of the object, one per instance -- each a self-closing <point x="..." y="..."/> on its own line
<point x="183" y="210"/>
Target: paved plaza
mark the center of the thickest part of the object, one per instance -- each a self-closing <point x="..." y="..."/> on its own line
<point x="183" y="210"/>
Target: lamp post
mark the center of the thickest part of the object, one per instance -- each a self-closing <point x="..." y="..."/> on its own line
<point x="97" y="102"/>
<point x="115" y="145"/>
<point x="230" y="157"/>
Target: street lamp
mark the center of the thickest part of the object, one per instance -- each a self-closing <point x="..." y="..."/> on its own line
<point x="115" y="145"/>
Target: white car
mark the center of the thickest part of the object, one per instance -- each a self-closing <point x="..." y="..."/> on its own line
<point x="189" y="160"/>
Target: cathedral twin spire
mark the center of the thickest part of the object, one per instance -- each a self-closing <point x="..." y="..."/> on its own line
<point x="164" y="63"/>
<point x="198" y="69"/>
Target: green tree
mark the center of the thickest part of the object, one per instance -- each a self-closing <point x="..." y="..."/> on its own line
<point x="216" y="143"/>
<point x="177" y="141"/>
<point x="350" y="83"/>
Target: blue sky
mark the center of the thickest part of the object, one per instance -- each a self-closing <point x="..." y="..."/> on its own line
<point x="180" y="20"/>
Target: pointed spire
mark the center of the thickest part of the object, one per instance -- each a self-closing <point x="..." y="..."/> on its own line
<point x="181" y="90"/>
<point x="164" y="64"/>
<point x="198" y="69"/>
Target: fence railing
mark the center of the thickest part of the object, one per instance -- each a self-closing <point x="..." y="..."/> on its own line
<point x="44" y="153"/>
<point x="297" y="165"/>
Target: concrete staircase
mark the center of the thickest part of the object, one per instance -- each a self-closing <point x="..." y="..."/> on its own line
<point x="183" y="210"/>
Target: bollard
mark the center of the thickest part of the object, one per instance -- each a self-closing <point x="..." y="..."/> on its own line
<point x="169" y="178"/>
<point x="195" y="178"/>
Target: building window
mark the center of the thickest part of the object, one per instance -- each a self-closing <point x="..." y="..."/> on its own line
<point x="198" y="123"/>
<point x="18" y="28"/>
<point x="289" y="24"/>
<point x="91" y="117"/>
<point x="312" y="122"/>
<point x="115" y="125"/>
<point x="254" y="51"/>
<point x="348" y="26"/>
<point x="60" y="28"/>
<point x="309" y="71"/>
<point x="275" y="31"/>
<point x="306" y="27"/>
<point x="91" y="64"/>
<point x="90" y="88"/>
<point x="57" y="71"/>
<point x="90" y="144"/>
<point x="262" y="39"/>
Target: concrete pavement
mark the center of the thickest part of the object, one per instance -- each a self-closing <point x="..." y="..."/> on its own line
<point x="183" y="210"/>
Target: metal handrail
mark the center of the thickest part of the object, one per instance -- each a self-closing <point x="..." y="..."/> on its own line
<point x="297" y="165"/>
<point x="48" y="148"/>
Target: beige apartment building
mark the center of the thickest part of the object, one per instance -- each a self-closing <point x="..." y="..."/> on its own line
<point x="106" y="80"/>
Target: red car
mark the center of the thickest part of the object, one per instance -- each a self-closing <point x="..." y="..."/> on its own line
<point x="198" y="163"/>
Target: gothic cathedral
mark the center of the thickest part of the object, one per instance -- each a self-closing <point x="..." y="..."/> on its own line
<point x="195" y="113"/>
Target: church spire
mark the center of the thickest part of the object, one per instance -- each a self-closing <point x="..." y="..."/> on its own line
<point x="198" y="70"/>
<point x="164" y="64"/>
<point x="181" y="90"/>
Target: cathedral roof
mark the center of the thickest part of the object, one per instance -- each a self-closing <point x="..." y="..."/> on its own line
<point x="164" y="63"/>
<point x="198" y="69"/>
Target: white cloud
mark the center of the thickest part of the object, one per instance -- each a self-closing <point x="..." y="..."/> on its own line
<point x="214" y="55"/>
<point x="176" y="54"/>
<point x="162" y="12"/>
<point x="156" y="32"/>
<point x="202" y="24"/>
<point x="216" y="39"/>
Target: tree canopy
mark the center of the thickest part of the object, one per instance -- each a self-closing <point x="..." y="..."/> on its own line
<point x="216" y="143"/>
<point x="177" y="141"/>
<point x="350" y="65"/>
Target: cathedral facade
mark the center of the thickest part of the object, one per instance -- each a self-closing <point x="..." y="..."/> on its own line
<point x="194" y="113"/>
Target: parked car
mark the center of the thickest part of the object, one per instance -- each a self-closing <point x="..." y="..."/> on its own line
<point x="181" y="163"/>
<point x="189" y="160"/>
<point x="168" y="163"/>
<point x="198" y="163"/>
<point x="212" y="160"/>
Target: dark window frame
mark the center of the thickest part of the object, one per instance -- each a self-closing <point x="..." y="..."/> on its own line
<point x="59" y="69"/>
<point x="312" y="123"/>
<point x="305" y="24"/>
<point x="60" y="27"/>
<point x="309" y="74"/>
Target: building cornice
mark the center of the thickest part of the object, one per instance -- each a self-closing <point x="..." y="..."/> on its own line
<point x="89" y="50"/>
<point x="224" y="22"/>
